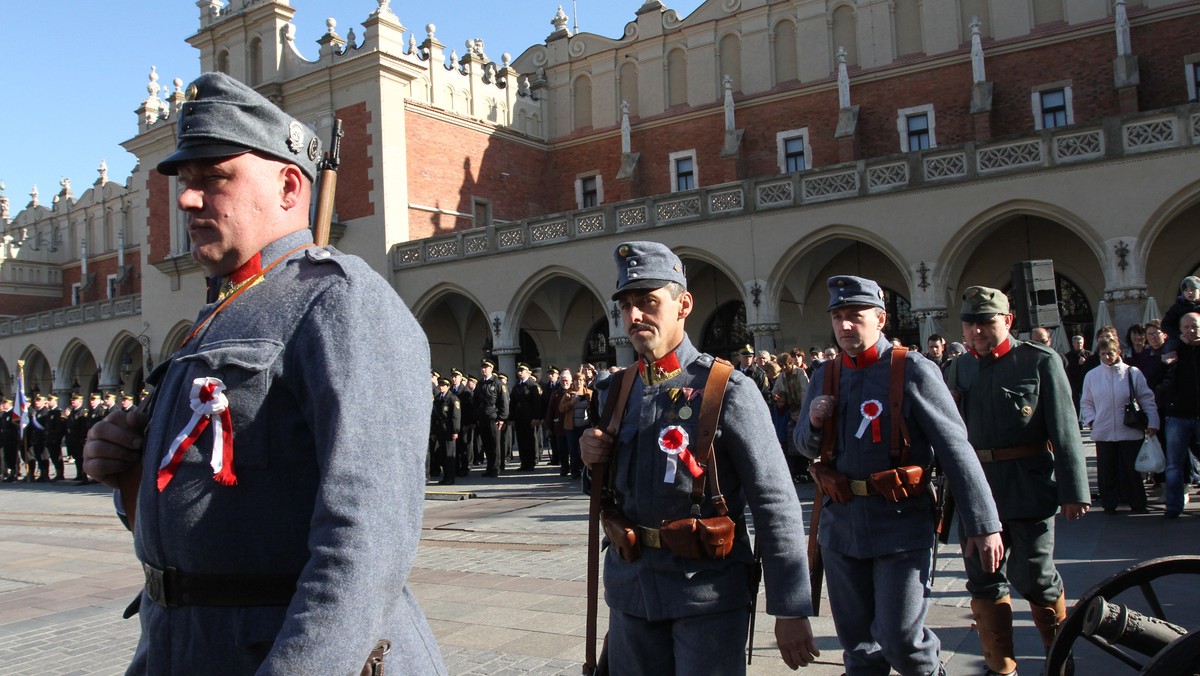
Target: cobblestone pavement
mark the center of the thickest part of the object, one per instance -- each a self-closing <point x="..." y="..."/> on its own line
<point x="501" y="577"/>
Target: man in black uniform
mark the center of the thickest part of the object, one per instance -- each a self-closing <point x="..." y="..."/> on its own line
<point x="54" y="419"/>
<point x="78" y="424"/>
<point x="523" y="405"/>
<point x="10" y="433"/>
<point x="443" y="430"/>
<point x="466" y="431"/>
<point x="754" y="373"/>
<point x="491" y="410"/>
<point x="35" y="449"/>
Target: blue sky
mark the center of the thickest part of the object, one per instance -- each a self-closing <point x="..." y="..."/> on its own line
<point x="73" y="71"/>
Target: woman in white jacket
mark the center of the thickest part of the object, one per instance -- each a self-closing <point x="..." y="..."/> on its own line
<point x="1105" y="394"/>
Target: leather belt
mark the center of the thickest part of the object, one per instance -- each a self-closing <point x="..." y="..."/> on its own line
<point x="649" y="537"/>
<point x="171" y="588"/>
<point x="1012" y="453"/>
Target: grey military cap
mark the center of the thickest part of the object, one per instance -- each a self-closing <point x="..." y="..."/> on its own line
<point x="223" y="117"/>
<point x="851" y="290"/>
<point x="646" y="265"/>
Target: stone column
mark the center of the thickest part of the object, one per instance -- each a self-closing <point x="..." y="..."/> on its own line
<point x="625" y="353"/>
<point x="507" y="356"/>
<point x="935" y="320"/>
<point x="764" y="336"/>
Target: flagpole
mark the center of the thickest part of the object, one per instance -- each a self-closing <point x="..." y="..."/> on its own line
<point x="22" y="406"/>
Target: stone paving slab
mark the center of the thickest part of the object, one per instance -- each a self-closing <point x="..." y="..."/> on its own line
<point x="501" y="577"/>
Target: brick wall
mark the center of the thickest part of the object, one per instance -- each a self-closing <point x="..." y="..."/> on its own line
<point x="448" y="164"/>
<point x="352" y="198"/>
<point x="99" y="270"/>
<point x="158" y="206"/>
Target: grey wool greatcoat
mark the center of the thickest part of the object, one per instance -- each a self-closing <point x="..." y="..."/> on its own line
<point x="870" y="526"/>
<point x="752" y="472"/>
<point x="324" y="366"/>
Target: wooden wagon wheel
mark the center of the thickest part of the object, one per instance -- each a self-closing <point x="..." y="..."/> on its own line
<point x="1141" y="576"/>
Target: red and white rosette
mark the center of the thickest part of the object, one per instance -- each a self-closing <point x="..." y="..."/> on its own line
<point x="674" y="442"/>
<point x="870" y="410"/>
<point x="209" y="405"/>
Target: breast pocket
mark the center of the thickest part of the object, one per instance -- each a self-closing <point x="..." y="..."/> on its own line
<point x="244" y="366"/>
<point x="1022" y="397"/>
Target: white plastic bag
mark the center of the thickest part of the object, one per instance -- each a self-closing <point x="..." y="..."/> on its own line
<point x="1150" y="458"/>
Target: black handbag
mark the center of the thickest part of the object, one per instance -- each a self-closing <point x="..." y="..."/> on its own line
<point x="1135" y="417"/>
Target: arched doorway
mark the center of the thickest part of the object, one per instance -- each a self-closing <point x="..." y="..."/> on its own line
<point x="597" y="350"/>
<point x="902" y="324"/>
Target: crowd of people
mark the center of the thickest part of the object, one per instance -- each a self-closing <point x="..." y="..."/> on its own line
<point x="34" y="442"/>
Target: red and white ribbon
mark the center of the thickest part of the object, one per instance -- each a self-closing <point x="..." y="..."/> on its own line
<point x="870" y="410"/>
<point x="209" y="404"/>
<point x="674" y="442"/>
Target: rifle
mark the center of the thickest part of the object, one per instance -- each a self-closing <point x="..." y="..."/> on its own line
<point x="755" y="580"/>
<point x="944" y="513"/>
<point x="329" y="167"/>
<point x="816" y="566"/>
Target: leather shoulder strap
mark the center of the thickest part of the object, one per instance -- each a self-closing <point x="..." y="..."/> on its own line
<point x="901" y="447"/>
<point x="706" y="430"/>
<point x="833" y="381"/>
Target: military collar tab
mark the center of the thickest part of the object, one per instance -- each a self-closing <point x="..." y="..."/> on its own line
<point x="1002" y="349"/>
<point x="663" y="369"/>
<point x="863" y="360"/>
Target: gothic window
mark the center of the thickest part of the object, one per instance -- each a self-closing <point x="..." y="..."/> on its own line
<point x="908" y="27"/>
<point x="582" y="101"/>
<point x="1047" y="11"/>
<point x="726" y="332"/>
<point x="784" y="47"/>
<point x="629" y="88"/>
<point x="254" y="62"/>
<point x="597" y="351"/>
<point x="677" y="88"/>
<point x="845" y="33"/>
<point x="901" y="322"/>
<point x="731" y="63"/>
<point x="969" y="9"/>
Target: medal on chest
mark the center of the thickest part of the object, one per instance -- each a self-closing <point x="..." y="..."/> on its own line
<point x="209" y="406"/>
<point x="674" y="442"/>
<point x="870" y="410"/>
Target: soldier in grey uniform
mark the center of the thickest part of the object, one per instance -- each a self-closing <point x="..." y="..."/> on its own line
<point x="278" y="539"/>
<point x="669" y="614"/>
<point x="1016" y="401"/>
<point x="878" y="553"/>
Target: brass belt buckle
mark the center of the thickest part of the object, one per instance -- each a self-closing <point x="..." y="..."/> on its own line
<point x="985" y="455"/>
<point x="650" y="537"/>
<point x="859" y="488"/>
<point x="156" y="585"/>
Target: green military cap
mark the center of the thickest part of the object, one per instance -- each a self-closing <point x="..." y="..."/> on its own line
<point x="434" y="373"/>
<point x="53" y="399"/>
<point x="456" y="372"/>
<point x="126" y="397"/>
<point x="76" y="396"/>
<point x="96" y="395"/>
<point x="746" y="351"/>
<point x="553" y="369"/>
<point x="854" y="291"/>
<point x="502" y="376"/>
<point x="221" y="118"/>
<point x="522" y="366"/>
<point x="443" y="381"/>
<point x="472" y="379"/>
<point x="110" y="393"/>
<point x="981" y="303"/>
<point x="487" y="362"/>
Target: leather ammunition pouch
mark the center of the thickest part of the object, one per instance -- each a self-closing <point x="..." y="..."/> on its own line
<point x="899" y="483"/>
<point x="832" y="482"/>
<point x="621" y="532"/>
<point x="693" y="538"/>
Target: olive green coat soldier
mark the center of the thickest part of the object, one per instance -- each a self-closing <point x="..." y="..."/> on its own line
<point x="1016" y="401"/>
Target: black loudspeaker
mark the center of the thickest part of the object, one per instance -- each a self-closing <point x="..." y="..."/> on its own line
<point x="1034" y="295"/>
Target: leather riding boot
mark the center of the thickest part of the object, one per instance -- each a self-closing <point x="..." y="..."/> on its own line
<point x="993" y="621"/>
<point x="1047" y="617"/>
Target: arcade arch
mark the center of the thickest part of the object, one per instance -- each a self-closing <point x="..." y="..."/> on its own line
<point x="565" y="320"/>
<point x="1172" y="249"/>
<point x="718" y="319"/>
<point x="78" y="370"/>
<point x="127" y="372"/>
<point x="457" y="330"/>
<point x="39" y="377"/>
